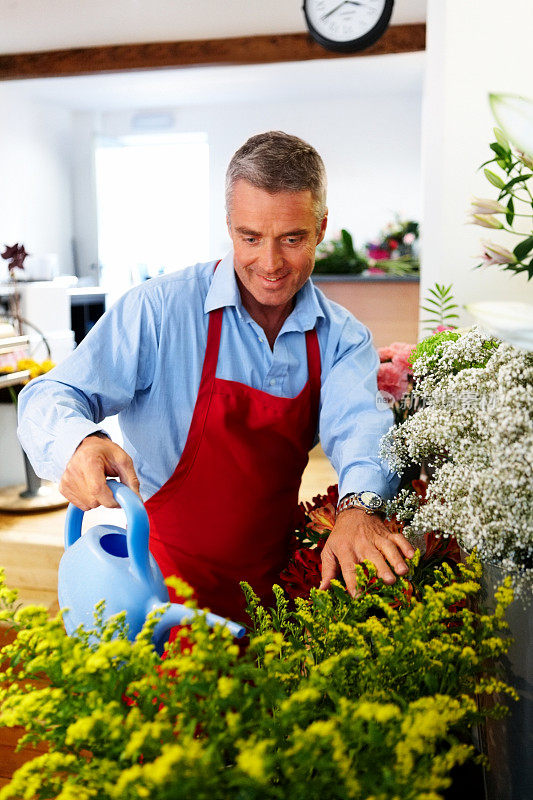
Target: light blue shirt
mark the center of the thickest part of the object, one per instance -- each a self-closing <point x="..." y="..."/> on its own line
<point x="143" y="361"/>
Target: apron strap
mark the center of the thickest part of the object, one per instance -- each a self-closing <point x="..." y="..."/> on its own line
<point x="314" y="367"/>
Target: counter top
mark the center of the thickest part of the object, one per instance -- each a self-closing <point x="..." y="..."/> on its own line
<point x="375" y="278"/>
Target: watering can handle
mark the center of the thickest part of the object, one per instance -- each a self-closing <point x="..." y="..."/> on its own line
<point x="137" y="532"/>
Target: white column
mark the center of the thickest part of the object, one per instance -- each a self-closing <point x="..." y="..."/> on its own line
<point x="473" y="48"/>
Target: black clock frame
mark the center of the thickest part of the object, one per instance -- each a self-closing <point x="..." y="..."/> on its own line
<point x="353" y="45"/>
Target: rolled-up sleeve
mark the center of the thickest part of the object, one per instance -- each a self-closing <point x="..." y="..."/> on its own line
<point x="115" y="360"/>
<point x="352" y="422"/>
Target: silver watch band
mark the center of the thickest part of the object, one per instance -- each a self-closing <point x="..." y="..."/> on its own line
<point x="354" y="500"/>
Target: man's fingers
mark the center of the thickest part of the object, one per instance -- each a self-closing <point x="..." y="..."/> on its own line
<point x="383" y="570"/>
<point x="392" y="554"/>
<point x="126" y="473"/>
<point x="330" y="569"/>
<point x="402" y="544"/>
<point x="348" y="573"/>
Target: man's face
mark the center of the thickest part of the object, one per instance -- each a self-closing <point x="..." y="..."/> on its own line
<point x="274" y="238"/>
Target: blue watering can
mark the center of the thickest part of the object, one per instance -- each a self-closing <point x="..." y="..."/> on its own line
<point x="112" y="564"/>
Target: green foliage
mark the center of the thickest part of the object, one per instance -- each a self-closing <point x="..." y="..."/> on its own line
<point x="429" y="354"/>
<point x="430" y="345"/>
<point x="439" y="303"/>
<point x="341" y="698"/>
<point x="339" y="256"/>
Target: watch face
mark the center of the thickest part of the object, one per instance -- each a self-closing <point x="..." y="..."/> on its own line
<point x="347" y="24"/>
<point x="370" y="499"/>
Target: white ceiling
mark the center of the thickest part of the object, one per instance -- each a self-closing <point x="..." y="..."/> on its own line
<point x="376" y="75"/>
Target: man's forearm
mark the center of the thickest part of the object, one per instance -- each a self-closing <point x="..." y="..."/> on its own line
<point x="53" y="420"/>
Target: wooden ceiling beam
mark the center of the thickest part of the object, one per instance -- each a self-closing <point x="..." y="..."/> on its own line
<point x="202" y="52"/>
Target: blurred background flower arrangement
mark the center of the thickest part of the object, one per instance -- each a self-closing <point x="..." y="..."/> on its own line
<point x="394" y="252"/>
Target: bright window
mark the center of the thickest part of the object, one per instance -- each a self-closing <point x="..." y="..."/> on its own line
<point x="153" y="206"/>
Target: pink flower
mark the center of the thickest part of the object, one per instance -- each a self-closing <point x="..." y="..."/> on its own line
<point x="385" y="353"/>
<point x="409" y="238"/>
<point x="377" y="253"/>
<point x="401" y="347"/>
<point x="377" y="271"/>
<point x="441" y="328"/>
<point x="400" y="352"/>
<point x="392" y="378"/>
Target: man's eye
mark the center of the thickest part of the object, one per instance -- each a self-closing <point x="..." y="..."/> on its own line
<point x="294" y="239"/>
<point x="250" y="239"/>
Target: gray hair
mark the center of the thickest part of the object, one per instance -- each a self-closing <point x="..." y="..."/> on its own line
<point x="278" y="162"/>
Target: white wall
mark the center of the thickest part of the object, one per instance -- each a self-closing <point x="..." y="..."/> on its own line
<point x="370" y="146"/>
<point x="35" y="170"/>
<point x="472" y="49"/>
<point x="99" y="22"/>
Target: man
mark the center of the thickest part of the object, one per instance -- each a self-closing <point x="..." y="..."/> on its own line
<point x="222" y="376"/>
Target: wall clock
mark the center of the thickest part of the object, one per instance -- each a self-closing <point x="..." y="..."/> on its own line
<point x="347" y="25"/>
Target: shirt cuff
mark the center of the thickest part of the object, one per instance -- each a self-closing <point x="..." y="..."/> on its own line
<point x="73" y="434"/>
<point x="384" y="482"/>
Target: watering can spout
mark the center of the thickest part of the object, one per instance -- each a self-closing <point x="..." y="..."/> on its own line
<point x="179" y="614"/>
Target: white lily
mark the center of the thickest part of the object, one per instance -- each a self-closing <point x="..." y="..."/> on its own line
<point x="486" y="221"/>
<point x="483" y="205"/>
<point x="512" y="322"/>
<point x="496" y="254"/>
<point x="514" y="115"/>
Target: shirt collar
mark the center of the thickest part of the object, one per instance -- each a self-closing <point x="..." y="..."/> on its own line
<point x="224" y="291"/>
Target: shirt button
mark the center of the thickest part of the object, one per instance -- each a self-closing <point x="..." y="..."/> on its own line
<point x="272" y="381"/>
<point x="260" y="340"/>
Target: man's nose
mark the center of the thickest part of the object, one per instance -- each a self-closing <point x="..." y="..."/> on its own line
<point x="271" y="257"/>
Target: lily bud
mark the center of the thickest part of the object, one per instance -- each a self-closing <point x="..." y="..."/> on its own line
<point x="482" y="205"/>
<point x="486" y="221"/>
<point x="514" y="115"/>
<point x="496" y="254"/>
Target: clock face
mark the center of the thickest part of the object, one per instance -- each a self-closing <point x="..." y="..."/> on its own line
<point x="347" y="24"/>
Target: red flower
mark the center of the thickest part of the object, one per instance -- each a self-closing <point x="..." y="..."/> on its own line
<point x="393" y="244"/>
<point x="441" y="547"/>
<point x="303" y="572"/>
<point x="322" y="520"/>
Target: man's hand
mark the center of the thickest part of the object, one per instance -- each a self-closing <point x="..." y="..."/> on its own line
<point x="84" y="479"/>
<point x="357" y="536"/>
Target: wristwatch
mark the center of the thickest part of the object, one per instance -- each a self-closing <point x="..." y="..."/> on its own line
<point x="369" y="501"/>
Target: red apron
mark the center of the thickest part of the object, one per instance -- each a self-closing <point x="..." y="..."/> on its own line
<point x="226" y="513"/>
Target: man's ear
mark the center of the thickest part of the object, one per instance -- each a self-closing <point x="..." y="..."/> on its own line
<point x="323" y="226"/>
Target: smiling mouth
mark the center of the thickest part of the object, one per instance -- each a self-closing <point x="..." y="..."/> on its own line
<point x="272" y="280"/>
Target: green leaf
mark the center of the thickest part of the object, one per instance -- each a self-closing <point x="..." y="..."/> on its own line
<point x="494" y="179"/>
<point x="523" y="248"/>
<point x="490" y="161"/>
<point x="348" y="243"/>
<point x="510" y="213"/>
<point x="513" y="181"/>
<point x="499" y="150"/>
